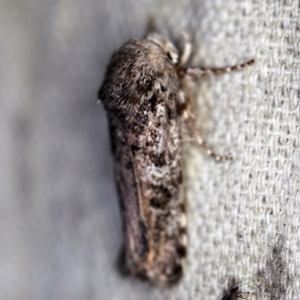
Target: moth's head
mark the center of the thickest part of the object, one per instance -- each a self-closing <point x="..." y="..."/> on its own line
<point x="166" y="45"/>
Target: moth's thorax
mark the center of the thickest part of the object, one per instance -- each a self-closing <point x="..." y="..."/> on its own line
<point x="139" y="71"/>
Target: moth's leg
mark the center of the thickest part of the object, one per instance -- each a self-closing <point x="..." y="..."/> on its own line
<point x="198" y="72"/>
<point x="184" y="100"/>
<point x="199" y="140"/>
<point x="187" y="50"/>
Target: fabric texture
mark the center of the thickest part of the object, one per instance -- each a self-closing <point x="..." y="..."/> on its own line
<point x="60" y="227"/>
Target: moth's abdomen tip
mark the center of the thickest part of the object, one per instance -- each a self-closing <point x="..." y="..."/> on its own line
<point x="98" y="101"/>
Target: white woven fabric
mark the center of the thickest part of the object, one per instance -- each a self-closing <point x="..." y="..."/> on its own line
<point x="60" y="229"/>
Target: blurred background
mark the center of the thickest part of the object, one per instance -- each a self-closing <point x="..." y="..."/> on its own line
<point x="60" y="229"/>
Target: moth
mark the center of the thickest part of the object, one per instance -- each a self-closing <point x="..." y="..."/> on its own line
<point x="147" y="96"/>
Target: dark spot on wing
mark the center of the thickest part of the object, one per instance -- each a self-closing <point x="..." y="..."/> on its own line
<point x="181" y="251"/>
<point x="160" y="161"/>
<point x="134" y="148"/>
<point x="163" y="88"/>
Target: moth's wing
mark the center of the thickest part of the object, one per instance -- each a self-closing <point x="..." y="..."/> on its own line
<point x="127" y="185"/>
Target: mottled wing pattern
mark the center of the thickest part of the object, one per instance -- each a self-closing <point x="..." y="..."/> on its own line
<point x="127" y="185"/>
<point x="141" y="100"/>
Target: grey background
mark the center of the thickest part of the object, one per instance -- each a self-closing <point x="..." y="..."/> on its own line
<point x="60" y="229"/>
